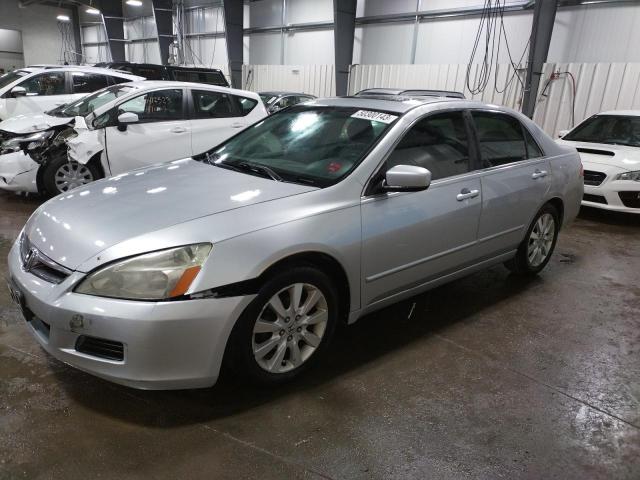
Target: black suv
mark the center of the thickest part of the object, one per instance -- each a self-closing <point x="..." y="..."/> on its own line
<point x="152" y="71"/>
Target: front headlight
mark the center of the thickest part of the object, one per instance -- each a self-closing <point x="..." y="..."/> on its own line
<point x="34" y="140"/>
<point x="152" y="276"/>
<point x="635" y="175"/>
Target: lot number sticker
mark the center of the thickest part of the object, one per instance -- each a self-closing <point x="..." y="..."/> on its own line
<point x="375" y="116"/>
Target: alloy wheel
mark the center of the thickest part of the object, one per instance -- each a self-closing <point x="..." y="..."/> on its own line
<point x="290" y="328"/>
<point x="72" y="175"/>
<point x="541" y="240"/>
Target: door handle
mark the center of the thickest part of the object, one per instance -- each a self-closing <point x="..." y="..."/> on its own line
<point x="539" y="174"/>
<point x="237" y="125"/>
<point x="465" y="194"/>
<point x="178" y="130"/>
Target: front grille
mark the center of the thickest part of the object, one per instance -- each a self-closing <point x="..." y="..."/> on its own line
<point x="587" y="197"/>
<point x="630" y="199"/>
<point x="100" y="347"/>
<point x="593" y="178"/>
<point x="38" y="264"/>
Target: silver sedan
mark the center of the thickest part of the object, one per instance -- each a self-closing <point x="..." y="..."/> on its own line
<point x="254" y="251"/>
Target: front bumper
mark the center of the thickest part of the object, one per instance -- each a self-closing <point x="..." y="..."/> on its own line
<point x="18" y="173"/>
<point x="166" y="345"/>
<point x="611" y="194"/>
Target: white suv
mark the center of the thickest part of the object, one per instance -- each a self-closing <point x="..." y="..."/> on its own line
<point x="38" y="89"/>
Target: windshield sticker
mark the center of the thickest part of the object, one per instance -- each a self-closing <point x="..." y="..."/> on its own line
<point x="375" y="116"/>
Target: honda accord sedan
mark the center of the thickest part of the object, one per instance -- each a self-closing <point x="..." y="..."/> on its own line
<point x="253" y="252"/>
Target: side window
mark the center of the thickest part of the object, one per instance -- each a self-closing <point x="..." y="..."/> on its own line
<point x="117" y="80"/>
<point x="533" y="150"/>
<point x="88" y="82"/>
<point x="500" y="138"/>
<point x="158" y="106"/>
<point x="215" y="78"/>
<point x="208" y="104"/>
<point x="45" y="84"/>
<point x="246" y="104"/>
<point x="438" y="143"/>
<point x="182" y="76"/>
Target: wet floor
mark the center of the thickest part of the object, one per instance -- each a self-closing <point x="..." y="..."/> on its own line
<point x="488" y="377"/>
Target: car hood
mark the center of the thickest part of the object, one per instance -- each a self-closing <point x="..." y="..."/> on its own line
<point x="32" y="122"/>
<point x="74" y="227"/>
<point x="620" y="156"/>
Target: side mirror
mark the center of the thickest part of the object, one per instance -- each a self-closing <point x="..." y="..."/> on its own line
<point x="126" y="118"/>
<point x="562" y="133"/>
<point x="406" y="178"/>
<point x="18" y="92"/>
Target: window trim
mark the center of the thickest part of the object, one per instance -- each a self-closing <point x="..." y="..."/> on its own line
<point x="116" y="107"/>
<point x="477" y="140"/>
<point x="371" y="183"/>
<point x="192" y="108"/>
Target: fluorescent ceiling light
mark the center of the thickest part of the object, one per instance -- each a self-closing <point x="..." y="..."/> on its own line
<point x="134" y="3"/>
<point x="93" y="11"/>
<point x="63" y="18"/>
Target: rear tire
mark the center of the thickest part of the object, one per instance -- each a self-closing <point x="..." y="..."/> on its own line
<point x="62" y="175"/>
<point x="286" y="328"/>
<point x="537" y="247"/>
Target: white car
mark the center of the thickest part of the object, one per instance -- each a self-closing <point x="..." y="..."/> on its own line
<point x="609" y="146"/>
<point x="142" y="123"/>
<point x="38" y="89"/>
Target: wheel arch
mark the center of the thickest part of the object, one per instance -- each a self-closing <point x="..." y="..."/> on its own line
<point x="323" y="262"/>
<point x="558" y="204"/>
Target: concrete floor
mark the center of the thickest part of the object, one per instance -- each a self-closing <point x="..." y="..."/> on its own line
<point x="491" y="377"/>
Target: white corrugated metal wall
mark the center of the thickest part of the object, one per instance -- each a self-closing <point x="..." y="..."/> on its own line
<point x="317" y="80"/>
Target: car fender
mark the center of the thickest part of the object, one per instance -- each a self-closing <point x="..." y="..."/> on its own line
<point x="86" y="144"/>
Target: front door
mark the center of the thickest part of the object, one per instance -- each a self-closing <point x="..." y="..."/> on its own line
<point x="44" y="92"/>
<point x="411" y="238"/>
<point x="161" y="134"/>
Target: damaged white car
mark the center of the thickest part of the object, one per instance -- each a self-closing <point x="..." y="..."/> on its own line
<point x="126" y="127"/>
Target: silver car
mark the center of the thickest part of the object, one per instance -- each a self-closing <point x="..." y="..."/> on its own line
<point x="254" y="251"/>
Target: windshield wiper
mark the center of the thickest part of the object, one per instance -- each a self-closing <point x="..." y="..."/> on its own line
<point x="244" y="167"/>
<point x="255" y="167"/>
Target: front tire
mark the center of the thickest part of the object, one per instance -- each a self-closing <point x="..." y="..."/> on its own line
<point x="286" y="328"/>
<point x="62" y="175"/>
<point x="537" y="247"/>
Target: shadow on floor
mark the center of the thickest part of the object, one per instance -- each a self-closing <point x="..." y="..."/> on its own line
<point x="354" y="346"/>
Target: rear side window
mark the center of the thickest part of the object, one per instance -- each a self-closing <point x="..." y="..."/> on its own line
<point x="183" y="76"/>
<point x="246" y="104"/>
<point x="438" y="143"/>
<point x="150" y="73"/>
<point x="158" y="106"/>
<point x="215" y="78"/>
<point x="500" y="137"/>
<point x="51" y="83"/>
<point x="88" y="82"/>
<point x="207" y="104"/>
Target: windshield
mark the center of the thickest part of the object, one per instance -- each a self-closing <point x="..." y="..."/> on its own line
<point x="11" y="77"/>
<point x="88" y="104"/>
<point x="610" y="129"/>
<point x="304" y="144"/>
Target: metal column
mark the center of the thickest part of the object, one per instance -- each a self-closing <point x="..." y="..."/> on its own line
<point x="344" y="17"/>
<point x="233" y="27"/>
<point x="163" y="15"/>
<point x="114" y="26"/>
<point x="544" y="15"/>
<point x="75" y="24"/>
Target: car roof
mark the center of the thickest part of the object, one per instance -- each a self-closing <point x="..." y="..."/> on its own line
<point x="395" y="104"/>
<point x="86" y="68"/>
<point x="281" y="93"/>
<point x="420" y="92"/>
<point x="626" y="113"/>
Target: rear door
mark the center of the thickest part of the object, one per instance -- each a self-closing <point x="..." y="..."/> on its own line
<point x="215" y="116"/>
<point x="515" y="179"/>
<point x="162" y="133"/>
<point x="411" y="238"/>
